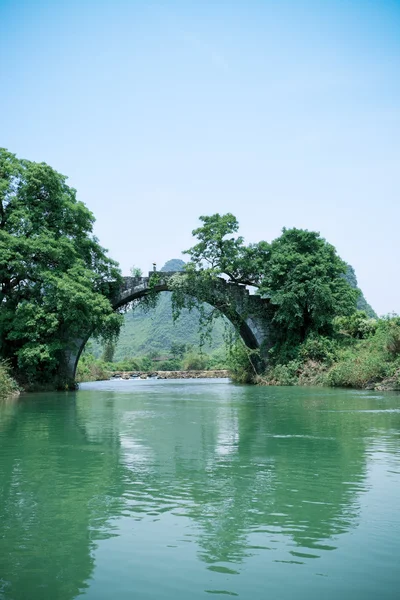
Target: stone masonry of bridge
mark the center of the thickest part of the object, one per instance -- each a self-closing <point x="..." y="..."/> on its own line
<point x="250" y="312"/>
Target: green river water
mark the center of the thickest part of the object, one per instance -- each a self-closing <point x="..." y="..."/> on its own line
<point x="199" y="489"/>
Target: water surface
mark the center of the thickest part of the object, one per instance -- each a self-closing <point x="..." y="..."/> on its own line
<point x="200" y="489"/>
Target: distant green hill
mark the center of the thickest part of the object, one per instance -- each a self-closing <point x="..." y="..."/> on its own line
<point x="362" y="304"/>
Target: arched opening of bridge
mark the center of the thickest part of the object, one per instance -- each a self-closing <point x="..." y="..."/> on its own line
<point x="252" y="324"/>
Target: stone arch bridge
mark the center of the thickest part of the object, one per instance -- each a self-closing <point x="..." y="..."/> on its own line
<point x="250" y="313"/>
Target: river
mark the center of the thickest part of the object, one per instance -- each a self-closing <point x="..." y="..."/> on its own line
<point x="161" y="490"/>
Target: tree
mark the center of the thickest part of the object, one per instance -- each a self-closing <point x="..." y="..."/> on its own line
<point x="136" y="271"/>
<point x="178" y="349"/>
<point x="219" y="254"/>
<point x="55" y="278"/>
<point x="304" y="280"/>
<point x="299" y="272"/>
<point x="108" y="352"/>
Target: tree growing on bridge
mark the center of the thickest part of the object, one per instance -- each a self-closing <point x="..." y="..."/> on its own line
<point x="299" y="272"/>
<point x="55" y="278"/>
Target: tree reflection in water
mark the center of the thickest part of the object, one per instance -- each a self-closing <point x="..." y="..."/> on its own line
<point x="251" y="468"/>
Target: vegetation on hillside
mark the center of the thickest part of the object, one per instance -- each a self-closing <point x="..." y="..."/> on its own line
<point x="362" y="304"/>
<point x="55" y="278"/>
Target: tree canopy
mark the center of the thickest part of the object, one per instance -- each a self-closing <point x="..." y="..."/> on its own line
<point x="300" y="273"/>
<point x="54" y="275"/>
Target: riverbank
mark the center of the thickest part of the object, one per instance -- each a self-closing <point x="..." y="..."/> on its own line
<point x="370" y="361"/>
<point x="318" y="374"/>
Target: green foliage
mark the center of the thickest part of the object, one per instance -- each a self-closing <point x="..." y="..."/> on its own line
<point x="318" y="348"/>
<point x="362" y="361"/>
<point x="136" y="271"/>
<point x="172" y="364"/>
<point x="194" y="361"/>
<point x="358" y="325"/>
<point x="362" y="304"/>
<point x="299" y="272"/>
<point x="303" y="279"/>
<point x="54" y="276"/>
<point x="359" y="368"/>
<point x="8" y="385"/>
<point x="218" y="359"/>
<point x="393" y="335"/>
<point x="369" y="362"/>
<point x="91" y="369"/>
<point x="108" y="352"/>
<point x="286" y="374"/>
<point x="178" y="350"/>
<point x="242" y="362"/>
<point x="216" y="254"/>
<point x="126" y="364"/>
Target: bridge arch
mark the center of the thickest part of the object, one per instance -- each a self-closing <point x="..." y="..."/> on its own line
<point x="251" y="314"/>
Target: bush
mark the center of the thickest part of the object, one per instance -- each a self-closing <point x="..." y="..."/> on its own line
<point x="284" y="374"/>
<point x="370" y="360"/>
<point x="194" y="362"/>
<point x="358" y="369"/>
<point x="8" y="386"/>
<point x="242" y="363"/>
<point x="358" y="325"/>
<point x="91" y="369"/>
<point x="393" y="336"/>
<point x="217" y="360"/>
<point x="318" y="348"/>
<point x="127" y="364"/>
<point x="173" y="364"/>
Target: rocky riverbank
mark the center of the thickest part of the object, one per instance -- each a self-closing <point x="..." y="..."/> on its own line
<point x="169" y="374"/>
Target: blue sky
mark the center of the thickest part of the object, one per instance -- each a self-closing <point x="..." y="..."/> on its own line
<point x="285" y="113"/>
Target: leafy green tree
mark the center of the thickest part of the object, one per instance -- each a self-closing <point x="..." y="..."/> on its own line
<point x="357" y="325"/>
<point x="220" y="251"/>
<point x="55" y="278"/>
<point x="136" y="271"/>
<point x="178" y="349"/>
<point x="108" y="352"/>
<point x="299" y="272"/>
<point x="303" y="278"/>
<point x="193" y="361"/>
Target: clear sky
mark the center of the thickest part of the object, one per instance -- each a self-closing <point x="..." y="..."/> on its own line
<point x="285" y="113"/>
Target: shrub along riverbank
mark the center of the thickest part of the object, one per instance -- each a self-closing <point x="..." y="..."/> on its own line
<point x="8" y="385"/>
<point x="363" y="353"/>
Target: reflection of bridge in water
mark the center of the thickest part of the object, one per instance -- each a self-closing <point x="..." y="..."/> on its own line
<point x="250" y="471"/>
<point x="250" y="313"/>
